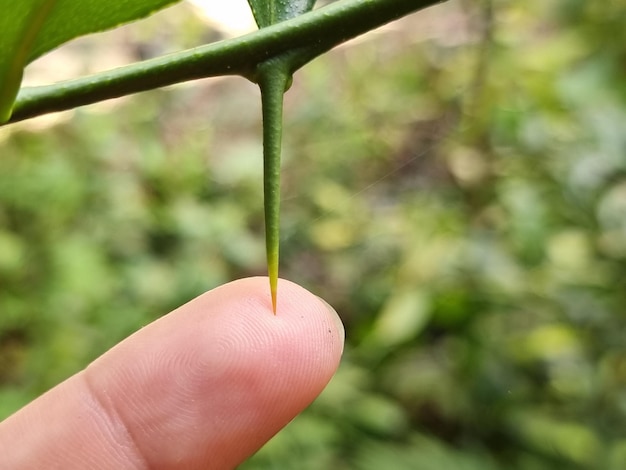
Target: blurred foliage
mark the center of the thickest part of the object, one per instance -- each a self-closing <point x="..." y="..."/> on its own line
<point x="455" y="185"/>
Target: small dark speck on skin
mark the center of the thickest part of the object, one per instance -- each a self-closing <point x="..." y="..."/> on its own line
<point x="330" y="331"/>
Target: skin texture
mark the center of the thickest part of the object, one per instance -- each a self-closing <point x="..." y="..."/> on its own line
<point x="201" y="388"/>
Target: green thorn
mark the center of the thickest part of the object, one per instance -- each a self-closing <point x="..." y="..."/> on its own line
<point x="274" y="78"/>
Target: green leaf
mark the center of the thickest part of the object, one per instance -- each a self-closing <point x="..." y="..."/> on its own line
<point x="30" y="28"/>
<point x="269" y="12"/>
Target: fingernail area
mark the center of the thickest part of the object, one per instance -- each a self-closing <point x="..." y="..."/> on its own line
<point x="336" y="319"/>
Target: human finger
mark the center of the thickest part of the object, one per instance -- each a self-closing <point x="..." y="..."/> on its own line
<point x="203" y="387"/>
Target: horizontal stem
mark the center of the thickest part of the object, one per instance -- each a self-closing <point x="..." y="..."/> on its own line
<point x="321" y="29"/>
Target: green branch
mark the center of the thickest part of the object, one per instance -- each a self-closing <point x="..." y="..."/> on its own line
<point x="321" y="29"/>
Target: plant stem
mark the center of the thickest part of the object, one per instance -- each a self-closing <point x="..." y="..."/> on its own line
<point x="322" y="29"/>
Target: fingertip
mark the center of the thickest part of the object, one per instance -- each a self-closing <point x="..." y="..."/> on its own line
<point x="202" y="387"/>
<point x="334" y="316"/>
<point x="223" y="373"/>
<point x="268" y="367"/>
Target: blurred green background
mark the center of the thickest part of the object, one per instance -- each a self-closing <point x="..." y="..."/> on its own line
<point x="454" y="184"/>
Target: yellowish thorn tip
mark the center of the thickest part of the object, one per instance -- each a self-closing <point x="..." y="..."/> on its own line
<point x="274" y="300"/>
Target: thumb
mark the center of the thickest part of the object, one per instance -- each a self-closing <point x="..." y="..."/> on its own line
<point x="201" y="388"/>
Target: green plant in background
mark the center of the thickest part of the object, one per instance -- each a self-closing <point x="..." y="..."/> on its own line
<point x="37" y="26"/>
<point x="454" y="185"/>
